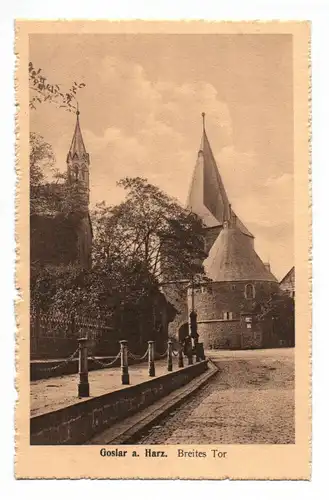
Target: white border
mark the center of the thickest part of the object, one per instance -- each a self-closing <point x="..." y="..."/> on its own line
<point x="318" y="13"/>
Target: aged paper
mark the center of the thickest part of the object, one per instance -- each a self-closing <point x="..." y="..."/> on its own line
<point x="137" y="358"/>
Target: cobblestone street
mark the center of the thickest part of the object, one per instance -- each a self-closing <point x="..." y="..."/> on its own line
<point x="250" y="400"/>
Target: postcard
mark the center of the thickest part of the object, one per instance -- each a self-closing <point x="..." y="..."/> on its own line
<point x="163" y="235"/>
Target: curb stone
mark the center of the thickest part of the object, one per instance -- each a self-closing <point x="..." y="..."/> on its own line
<point x="129" y="430"/>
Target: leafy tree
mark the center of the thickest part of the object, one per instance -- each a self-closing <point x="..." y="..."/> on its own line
<point x="136" y="244"/>
<point x="42" y="159"/>
<point x="41" y="90"/>
<point x="151" y="229"/>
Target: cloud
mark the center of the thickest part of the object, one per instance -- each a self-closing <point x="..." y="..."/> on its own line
<point x="160" y="139"/>
<point x="258" y="198"/>
<point x="132" y="93"/>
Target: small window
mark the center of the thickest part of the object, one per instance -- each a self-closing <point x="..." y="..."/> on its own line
<point x="230" y="315"/>
<point x="227" y="315"/>
<point x="233" y="287"/>
<point x="76" y="172"/>
<point x="249" y="291"/>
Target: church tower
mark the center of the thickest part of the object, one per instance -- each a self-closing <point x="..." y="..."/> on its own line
<point x="64" y="236"/>
<point x="78" y="162"/>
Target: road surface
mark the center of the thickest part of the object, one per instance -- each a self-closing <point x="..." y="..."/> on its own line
<point x="250" y="401"/>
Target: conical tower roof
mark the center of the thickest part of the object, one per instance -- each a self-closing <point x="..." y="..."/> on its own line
<point x="207" y="196"/>
<point x="77" y="145"/>
<point x="233" y="258"/>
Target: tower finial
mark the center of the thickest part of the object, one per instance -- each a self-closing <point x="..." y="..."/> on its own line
<point x="203" y="114"/>
<point x="78" y="112"/>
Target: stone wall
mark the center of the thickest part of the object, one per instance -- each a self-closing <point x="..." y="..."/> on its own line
<point x="214" y="299"/>
<point x="220" y="334"/>
<point x="219" y="306"/>
<point x="78" y="423"/>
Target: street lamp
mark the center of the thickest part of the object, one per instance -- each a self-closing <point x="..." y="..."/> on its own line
<point x="194" y="327"/>
<point x="193" y="324"/>
<point x="193" y="316"/>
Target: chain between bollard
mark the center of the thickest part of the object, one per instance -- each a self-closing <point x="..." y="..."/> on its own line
<point x="136" y="357"/>
<point x="106" y="365"/>
<point x="63" y="363"/>
<point x="162" y="355"/>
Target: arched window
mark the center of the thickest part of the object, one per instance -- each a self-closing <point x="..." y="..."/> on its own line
<point x="249" y="291"/>
<point x="76" y="172"/>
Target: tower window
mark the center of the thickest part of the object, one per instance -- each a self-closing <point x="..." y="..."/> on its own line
<point x="76" y="172"/>
<point x="249" y="291"/>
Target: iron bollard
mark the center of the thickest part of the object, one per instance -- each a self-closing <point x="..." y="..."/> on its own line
<point x="180" y="357"/>
<point x="83" y="386"/>
<point x="151" y="358"/>
<point x="124" y="362"/>
<point x="169" y="356"/>
<point x="196" y="348"/>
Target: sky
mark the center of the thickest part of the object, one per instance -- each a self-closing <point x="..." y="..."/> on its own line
<point x="141" y="115"/>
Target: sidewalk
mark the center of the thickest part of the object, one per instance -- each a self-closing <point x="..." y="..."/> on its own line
<point x="58" y="392"/>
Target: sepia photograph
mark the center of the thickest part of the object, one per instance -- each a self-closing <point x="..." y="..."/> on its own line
<point x="160" y="303"/>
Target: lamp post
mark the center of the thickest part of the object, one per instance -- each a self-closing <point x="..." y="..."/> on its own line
<point x="194" y="323"/>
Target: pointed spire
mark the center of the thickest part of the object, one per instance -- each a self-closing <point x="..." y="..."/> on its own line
<point x="77" y="144"/>
<point x="203" y="121"/>
<point x="207" y="196"/>
<point x="203" y="137"/>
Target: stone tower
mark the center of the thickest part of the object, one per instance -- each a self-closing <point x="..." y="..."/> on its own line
<point x="207" y="195"/>
<point x="238" y="277"/>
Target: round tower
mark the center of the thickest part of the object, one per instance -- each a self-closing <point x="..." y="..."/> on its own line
<point x="240" y="283"/>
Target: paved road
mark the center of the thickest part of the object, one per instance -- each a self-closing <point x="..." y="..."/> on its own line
<point x="251" y="400"/>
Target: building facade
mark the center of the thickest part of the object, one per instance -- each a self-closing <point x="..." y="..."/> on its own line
<point x="287" y="284"/>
